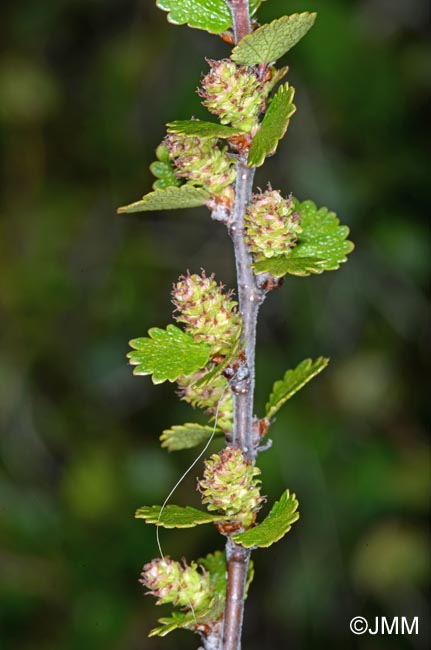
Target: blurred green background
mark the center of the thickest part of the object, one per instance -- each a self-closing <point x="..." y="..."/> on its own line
<point x="85" y="89"/>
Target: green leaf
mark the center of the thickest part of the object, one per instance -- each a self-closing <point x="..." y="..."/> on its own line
<point x="215" y="564"/>
<point x="273" y="40"/>
<point x="278" y="522"/>
<point x="322" y="245"/>
<point x="167" y="354"/>
<point x="177" y="620"/>
<point x="171" y="198"/>
<point x="187" y="436"/>
<point x="321" y="237"/>
<point x="279" y="266"/>
<point x="292" y="382"/>
<point x="202" y="129"/>
<point x="176" y="516"/>
<point x="273" y="127"/>
<point x="212" y="15"/>
<point x="163" y="170"/>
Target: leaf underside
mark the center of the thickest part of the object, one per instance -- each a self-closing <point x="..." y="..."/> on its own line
<point x="170" y="198"/>
<point x="273" y="127"/>
<point x="211" y="15"/>
<point x="278" y="522"/>
<point x="187" y="436"/>
<point x="167" y="354"/>
<point x="176" y="516"/>
<point x="292" y="382"/>
<point x="273" y="40"/>
<point x="322" y="245"/>
<point x="201" y="129"/>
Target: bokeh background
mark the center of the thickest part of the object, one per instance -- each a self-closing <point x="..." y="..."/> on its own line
<point x="85" y="89"/>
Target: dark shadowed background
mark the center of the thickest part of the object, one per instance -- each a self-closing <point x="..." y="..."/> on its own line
<point x="85" y="89"/>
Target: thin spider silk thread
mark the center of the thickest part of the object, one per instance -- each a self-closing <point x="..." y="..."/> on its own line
<point x="197" y="459"/>
<point x="183" y="477"/>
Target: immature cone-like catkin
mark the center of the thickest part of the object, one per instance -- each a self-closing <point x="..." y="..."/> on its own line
<point x="170" y="582"/>
<point x="215" y="398"/>
<point x="234" y="93"/>
<point x="208" y="314"/>
<point x="202" y="161"/>
<point x="230" y="486"/>
<point x="271" y="225"/>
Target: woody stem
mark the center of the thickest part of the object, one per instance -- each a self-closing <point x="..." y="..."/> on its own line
<point x="250" y="298"/>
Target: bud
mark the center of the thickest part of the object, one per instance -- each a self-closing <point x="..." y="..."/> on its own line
<point x="230" y="486"/>
<point x="271" y="226"/>
<point x="215" y="398"/>
<point x="170" y="582"/>
<point x="234" y="93"/>
<point x="202" y="161"/>
<point x="208" y="314"/>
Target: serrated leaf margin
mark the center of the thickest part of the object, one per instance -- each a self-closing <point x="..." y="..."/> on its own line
<point x="174" y="335"/>
<point x="308" y="366"/>
<point x="225" y="22"/>
<point x="266" y="35"/>
<point x="191" y="516"/>
<point x="170" y="198"/>
<point x="276" y="119"/>
<point x="177" y="429"/>
<point x="250" y="538"/>
<point x="202" y="129"/>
